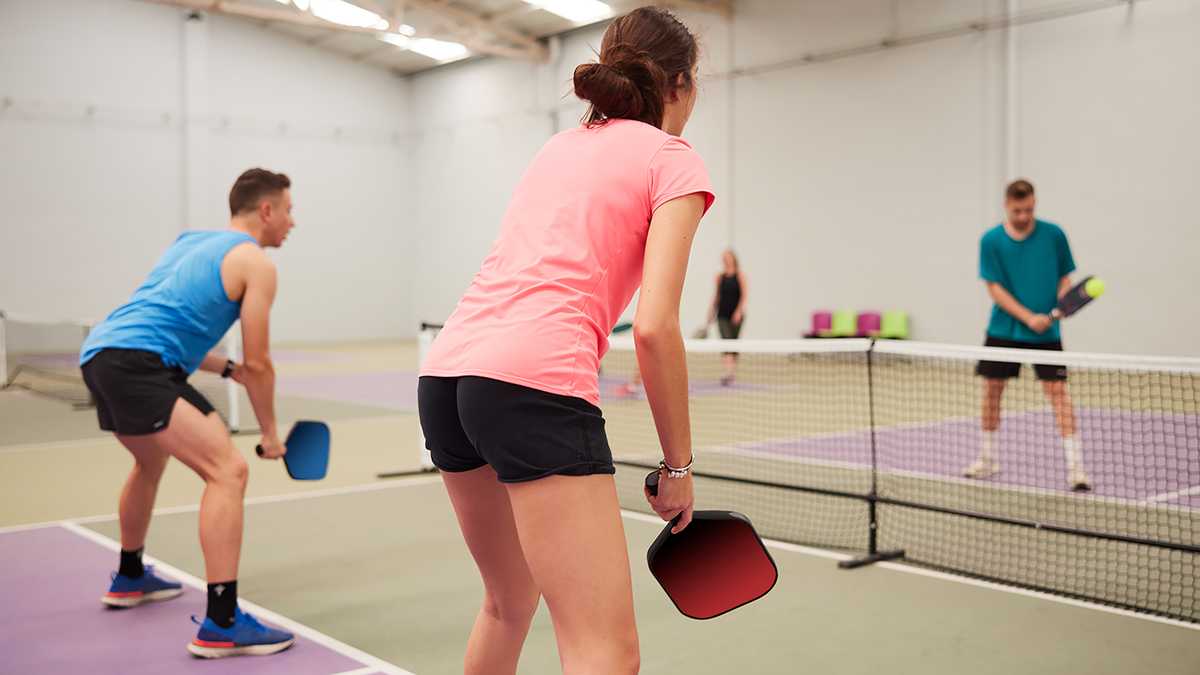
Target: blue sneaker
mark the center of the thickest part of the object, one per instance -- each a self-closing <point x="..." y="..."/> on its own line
<point x="129" y="592"/>
<point x="245" y="637"/>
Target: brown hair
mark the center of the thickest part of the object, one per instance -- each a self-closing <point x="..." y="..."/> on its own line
<point x="254" y="184"/>
<point x="642" y="56"/>
<point x="1018" y="190"/>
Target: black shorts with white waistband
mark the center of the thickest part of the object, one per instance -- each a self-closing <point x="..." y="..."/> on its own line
<point x="1004" y="370"/>
<point x="522" y="433"/>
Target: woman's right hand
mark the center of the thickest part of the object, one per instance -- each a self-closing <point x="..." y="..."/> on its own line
<point x="675" y="498"/>
<point x="271" y="447"/>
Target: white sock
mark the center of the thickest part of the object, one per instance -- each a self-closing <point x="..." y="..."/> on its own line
<point x="1073" y="452"/>
<point x="987" y="443"/>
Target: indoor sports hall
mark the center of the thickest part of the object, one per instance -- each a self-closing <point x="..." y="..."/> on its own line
<point x="902" y="289"/>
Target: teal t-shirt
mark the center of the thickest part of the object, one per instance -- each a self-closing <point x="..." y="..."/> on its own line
<point x="1028" y="269"/>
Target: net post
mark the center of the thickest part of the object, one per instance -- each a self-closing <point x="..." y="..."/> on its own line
<point x="3" y="351"/>
<point x="873" y="555"/>
<point x="425" y="461"/>
<point x="424" y="342"/>
<point x="91" y="402"/>
<point x="233" y="352"/>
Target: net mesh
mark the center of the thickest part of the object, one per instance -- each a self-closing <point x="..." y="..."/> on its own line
<point x="41" y="357"/>
<point x="805" y="429"/>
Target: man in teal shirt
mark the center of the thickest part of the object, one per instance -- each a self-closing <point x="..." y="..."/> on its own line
<point x="1026" y="264"/>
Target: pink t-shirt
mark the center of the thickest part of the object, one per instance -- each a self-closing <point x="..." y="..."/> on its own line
<point x="568" y="259"/>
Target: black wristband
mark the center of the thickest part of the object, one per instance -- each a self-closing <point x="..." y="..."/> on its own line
<point x="229" y="366"/>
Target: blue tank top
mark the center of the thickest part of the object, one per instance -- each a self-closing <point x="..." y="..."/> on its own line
<point x="181" y="311"/>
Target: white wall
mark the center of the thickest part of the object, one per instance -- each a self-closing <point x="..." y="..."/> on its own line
<point x="1110" y="129"/>
<point x="860" y="182"/>
<point x="477" y="125"/>
<point x="866" y="181"/>
<point x="90" y="201"/>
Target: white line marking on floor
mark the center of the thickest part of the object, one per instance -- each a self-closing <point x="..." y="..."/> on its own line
<point x="376" y="664"/>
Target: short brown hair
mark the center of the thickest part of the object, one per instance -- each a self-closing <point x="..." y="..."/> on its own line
<point x="254" y="184"/>
<point x="642" y="56"/>
<point x="1018" y="189"/>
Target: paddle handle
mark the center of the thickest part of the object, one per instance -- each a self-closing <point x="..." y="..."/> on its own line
<point x="259" y="449"/>
<point x="652" y="483"/>
<point x="652" y="479"/>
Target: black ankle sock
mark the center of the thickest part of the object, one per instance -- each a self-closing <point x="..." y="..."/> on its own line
<point x="131" y="563"/>
<point x="222" y="602"/>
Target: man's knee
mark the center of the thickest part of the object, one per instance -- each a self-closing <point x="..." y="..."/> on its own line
<point x="232" y="471"/>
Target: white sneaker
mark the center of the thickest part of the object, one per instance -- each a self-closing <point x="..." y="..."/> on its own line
<point x="982" y="468"/>
<point x="1078" y="479"/>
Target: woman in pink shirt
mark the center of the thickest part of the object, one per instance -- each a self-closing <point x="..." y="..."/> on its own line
<point x="508" y="393"/>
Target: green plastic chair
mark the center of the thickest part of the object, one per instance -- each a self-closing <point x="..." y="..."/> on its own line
<point x="894" y="325"/>
<point x="844" y="324"/>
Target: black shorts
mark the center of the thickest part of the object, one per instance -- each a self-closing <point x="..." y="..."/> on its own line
<point x="729" y="330"/>
<point x="522" y="433"/>
<point x="1003" y="370"/>
<point x="135" y="391"/>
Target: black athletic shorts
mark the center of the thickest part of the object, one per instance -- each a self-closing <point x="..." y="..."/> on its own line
<point x="728" y="329"/>
<point x="1003" y="370"/>
<point x="522" y="433"/>
<point x="135" y="391"/>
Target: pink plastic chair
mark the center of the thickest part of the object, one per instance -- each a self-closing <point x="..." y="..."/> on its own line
<point x="869" y="324"/>
<point x="822" y="322"/>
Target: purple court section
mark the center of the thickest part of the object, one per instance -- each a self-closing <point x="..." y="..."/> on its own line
<point x="53" y="621"/>
<point x="1129" y="455"/>
<point x="394" y="390"/>
<point x="609" y="386"/>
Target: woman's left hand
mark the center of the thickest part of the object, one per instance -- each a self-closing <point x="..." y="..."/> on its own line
<point x="737" y="317"/>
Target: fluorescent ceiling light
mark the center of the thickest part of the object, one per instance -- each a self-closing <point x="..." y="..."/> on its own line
<point x="345" y="14"/>
<point x="577" y="11"/>
<point x="438" y="50"/>
<point x="401" y="41"/>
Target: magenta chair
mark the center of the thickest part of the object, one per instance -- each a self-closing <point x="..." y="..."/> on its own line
<point x="869" y="324"/>
<point x="822" y="323"/>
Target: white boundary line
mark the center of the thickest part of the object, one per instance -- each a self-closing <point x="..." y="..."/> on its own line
<point x="1168" y="496"/>
<point x="252" y="501"/>
<point x="76" y="527"/>
<point x="78" y="443"/>
<point x="361" y="671"/>
<point x="375" y="663"/>
<point x="13" y="448"/>
<point x="946" y="576"/>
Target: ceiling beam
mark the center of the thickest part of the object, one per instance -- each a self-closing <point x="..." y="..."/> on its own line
<point x="477" y="25"/>
<point x="721" y="7"/>
<point x="477" y="41"/>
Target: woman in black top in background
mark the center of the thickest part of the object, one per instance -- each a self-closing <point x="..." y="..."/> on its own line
<point x="729" y="308"/>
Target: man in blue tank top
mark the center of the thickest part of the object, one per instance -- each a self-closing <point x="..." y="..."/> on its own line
<point x="1026" y="264"/>
<point x="136" y="364"/>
